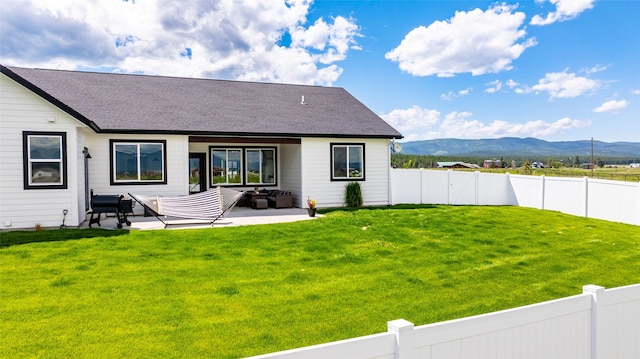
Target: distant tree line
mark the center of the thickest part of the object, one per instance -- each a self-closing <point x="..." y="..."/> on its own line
<point x="401" y="160"/>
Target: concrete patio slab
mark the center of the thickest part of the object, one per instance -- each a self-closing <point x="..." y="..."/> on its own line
<point x="239" y="216"/>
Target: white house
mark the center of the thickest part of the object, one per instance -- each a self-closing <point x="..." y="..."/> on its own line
<point x="64" y="134"/>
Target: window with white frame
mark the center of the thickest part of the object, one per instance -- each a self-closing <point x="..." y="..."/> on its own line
<point x="45" y="160"/>
<point x="138" y="162"/>
<point x="347" y="161"/>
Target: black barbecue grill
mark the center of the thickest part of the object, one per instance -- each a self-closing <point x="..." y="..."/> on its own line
<point x="110" y="204"/>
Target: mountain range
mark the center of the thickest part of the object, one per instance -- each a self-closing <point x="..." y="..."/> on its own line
<point x="512" y="146"/>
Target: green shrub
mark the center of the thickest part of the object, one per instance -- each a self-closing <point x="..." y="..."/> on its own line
<point x="353" y="195"/>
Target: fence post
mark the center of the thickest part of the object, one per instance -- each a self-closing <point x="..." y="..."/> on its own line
<point x="421" y="184"/>
<point x="586" y="197"/>
<point x="477" y="188"/>
<point x="449" y="186"/>
<point x="543" y="180"/>
<point x="597" y="319"/>
<point x="403" y="329"/>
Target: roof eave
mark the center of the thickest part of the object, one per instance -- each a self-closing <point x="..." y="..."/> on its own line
<point x="248" y="134"/>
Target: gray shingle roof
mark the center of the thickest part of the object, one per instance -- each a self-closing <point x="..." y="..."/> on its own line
<point x="120" y="103"/>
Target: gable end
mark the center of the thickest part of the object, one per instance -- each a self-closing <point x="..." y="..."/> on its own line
<point x="43" y="94"/>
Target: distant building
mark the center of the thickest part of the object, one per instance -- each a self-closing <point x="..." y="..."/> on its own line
<point x="456" y="165"/>
<point x="492" y="163"/>
<point x="588" y="166"/>
<point x="537" y="165"/>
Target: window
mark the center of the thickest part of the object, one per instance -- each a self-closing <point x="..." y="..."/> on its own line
<point x="226" y="166"/>
<point x="136" y="162"/>
<point x="261" y="166"/>
<point x="45" y="160"/>
<point x="347" y="162"/>
<point x="236" y="166"/>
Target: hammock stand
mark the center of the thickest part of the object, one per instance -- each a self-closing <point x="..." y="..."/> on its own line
<point x="209" y="205"/>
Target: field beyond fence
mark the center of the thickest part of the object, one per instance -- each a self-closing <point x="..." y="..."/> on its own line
<point x="618" y="173"/>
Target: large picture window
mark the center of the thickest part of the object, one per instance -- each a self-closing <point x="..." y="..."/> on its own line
<point x="138" y="162"/>
<point x="238" y="166"/>
<point x="45" y="160"/>
<point x="347" y="162"/>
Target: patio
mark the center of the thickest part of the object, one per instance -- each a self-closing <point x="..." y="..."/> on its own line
<point x="239" y="216"/>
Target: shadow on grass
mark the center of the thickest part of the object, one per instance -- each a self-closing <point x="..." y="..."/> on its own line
<point x="396" y="206"/>
<point x="14" y="238"/>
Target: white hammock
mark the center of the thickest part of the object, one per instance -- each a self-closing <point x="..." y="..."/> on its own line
<point x="208" y="205"/>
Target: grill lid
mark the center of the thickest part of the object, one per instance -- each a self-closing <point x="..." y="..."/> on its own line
<point x="105" y="201"/>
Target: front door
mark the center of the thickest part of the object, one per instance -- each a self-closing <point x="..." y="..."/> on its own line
<point x="197" y="172"/>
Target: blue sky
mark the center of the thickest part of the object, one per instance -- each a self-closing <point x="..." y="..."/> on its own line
<point x="553" y="69"/>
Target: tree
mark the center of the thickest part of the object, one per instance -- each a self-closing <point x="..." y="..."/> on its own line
<point x="576" y="161"/>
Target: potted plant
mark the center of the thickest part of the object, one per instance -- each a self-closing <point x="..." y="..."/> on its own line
<point x="311" y="207"/>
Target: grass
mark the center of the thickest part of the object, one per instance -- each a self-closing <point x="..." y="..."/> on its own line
<point x="618" y="173"/>
<point x="235" y="292"/>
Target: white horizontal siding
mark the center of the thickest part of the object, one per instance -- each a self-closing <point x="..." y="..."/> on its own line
<point x="21" y="110"/>
<point x="290" y="177"/>
<point x="316" y="172"/>
<point x="177" y="152"/>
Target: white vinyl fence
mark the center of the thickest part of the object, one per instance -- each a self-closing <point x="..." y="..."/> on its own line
<point x="596" y="324"/>
<point x="614" y="201"/>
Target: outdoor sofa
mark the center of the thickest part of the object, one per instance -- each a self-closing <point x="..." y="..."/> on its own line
<point x="280" y="199"/>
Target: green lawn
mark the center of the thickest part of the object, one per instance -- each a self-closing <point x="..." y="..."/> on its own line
<point x="241" y="291"/>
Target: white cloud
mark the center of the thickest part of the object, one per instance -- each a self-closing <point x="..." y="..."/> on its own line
<point x="495" y="86"/>
<point x="565" y="85"/>
<point x="611" y="106"/>
<point x="565" y="10"/>
<point x="451" y="95"/>
<point x="412" y="122"/>
<point x="635" y="92"/>
<point x="596" y="68"/>
<point x="518" y="88"/>
<point x="511" y="83"/>
<point x="417" y="123"/>
<point x="476" y="42"/>
<point x="222" y="39"/>
<point x="460" y="125"/>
